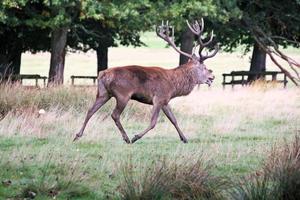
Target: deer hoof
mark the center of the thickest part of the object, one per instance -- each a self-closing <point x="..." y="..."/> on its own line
<point x="135" y="138"/>
<point x="126" y="140"/>
<point x="76" y="137"/>
<point x="184" y="141"/>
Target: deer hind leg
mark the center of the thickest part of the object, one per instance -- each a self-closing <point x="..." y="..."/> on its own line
<point x="167" y="110"/>
<point x="155" y="114"/>
<point x="100" y="101"/>
<point x="120" y="106"/>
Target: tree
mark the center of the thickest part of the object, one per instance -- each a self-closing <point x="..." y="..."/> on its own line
<point x="273" y="23"/>
<point x="255" y="23"/>
<point x="236" y="23"/>
<point x="86" y="24"/>
<point x="29" y="25"/>
<point x="10" y="52"/>
<point x="17" y="35"/>
<point x="61" y="16"/>
<point x="58" y="53"/>
<point x="107" y="23"/>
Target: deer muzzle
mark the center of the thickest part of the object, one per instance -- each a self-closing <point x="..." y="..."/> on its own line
<point x="210" y="80"/>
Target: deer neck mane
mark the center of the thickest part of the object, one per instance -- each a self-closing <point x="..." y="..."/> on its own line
<point x="184" y="79"/>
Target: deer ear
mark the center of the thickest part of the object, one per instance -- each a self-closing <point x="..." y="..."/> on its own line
<point x="194" y="57"/>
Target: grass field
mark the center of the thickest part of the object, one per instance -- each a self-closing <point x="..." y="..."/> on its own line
<point x="231" y="134"/>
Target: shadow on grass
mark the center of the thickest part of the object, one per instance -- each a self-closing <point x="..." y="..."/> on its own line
<point x="233" y="138"/>
<point x="8" y="143"/>
<point x="25" y="178"/>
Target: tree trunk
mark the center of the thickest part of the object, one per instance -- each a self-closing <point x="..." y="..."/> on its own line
<point x="186" y="45"/>
<point x="102" y="58"/>
<point x="258" y="62"/>
<point x="3" y="64"/>
<point x="15" y="66"/>
<point x="10" y="63"/>
<point x="58" y="52"/>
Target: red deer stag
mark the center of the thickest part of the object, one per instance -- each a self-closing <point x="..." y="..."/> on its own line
<point x="153" y="85"/>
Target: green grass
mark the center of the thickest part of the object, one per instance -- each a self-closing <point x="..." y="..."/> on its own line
<point x="232" y="130"/>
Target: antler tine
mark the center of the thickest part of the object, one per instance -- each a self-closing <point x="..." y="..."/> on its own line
<point x="194" y="28"/>
<point x="163" y="32"/>
<point x="211" y="55"/>
<point x="201" y="30"/>
<point x="203" y="44"/>
<point x="210" y="39"/>
<point x="202" y="24"/>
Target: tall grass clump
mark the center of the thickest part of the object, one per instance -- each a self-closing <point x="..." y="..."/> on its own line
<point x="165" y="179"/>
<point x="283" y="169"/>
<point x="279" y="178"/>
<point x="14" y="97"/>
<point x="254" y="188"/>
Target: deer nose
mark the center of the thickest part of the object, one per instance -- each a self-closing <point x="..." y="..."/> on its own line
<point x="210" y="71"/>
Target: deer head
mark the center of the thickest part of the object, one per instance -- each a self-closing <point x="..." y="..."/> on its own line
<point x="204" y="75"/>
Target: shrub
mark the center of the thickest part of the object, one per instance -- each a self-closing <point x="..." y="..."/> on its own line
<point x="255" y="188"/>
<point x="165" y="179"/>
<point x="279" y="179"/>
<point x="283" y="169"/>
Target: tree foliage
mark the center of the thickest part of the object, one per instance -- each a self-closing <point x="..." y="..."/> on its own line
<point x="273" y="24"/>
<point x="102" y="24"/>
<point x="90" y="24"/>
<point x="17" y="34"/>
<point x="27" y="25"/>
<point x="239" y="22"/>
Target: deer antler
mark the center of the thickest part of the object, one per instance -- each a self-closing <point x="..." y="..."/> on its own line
<point x="197" y="28"/>
<point x="162" y="31"/>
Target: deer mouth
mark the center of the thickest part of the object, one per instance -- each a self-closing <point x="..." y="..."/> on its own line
<point x="209" y="81"/>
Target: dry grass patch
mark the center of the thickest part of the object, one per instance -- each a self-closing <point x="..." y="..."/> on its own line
<point x="279" y="177"/>
<point x="167" y="179"/>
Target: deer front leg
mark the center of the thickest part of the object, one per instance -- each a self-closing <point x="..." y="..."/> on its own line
<point x="155" y="113"/>
<point x="121" y="104"/>
<point x="101" y="100"/>
<point x="171" y="117"/>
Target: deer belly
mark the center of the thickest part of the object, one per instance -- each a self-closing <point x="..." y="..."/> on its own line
<point x="142" y="98"/>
